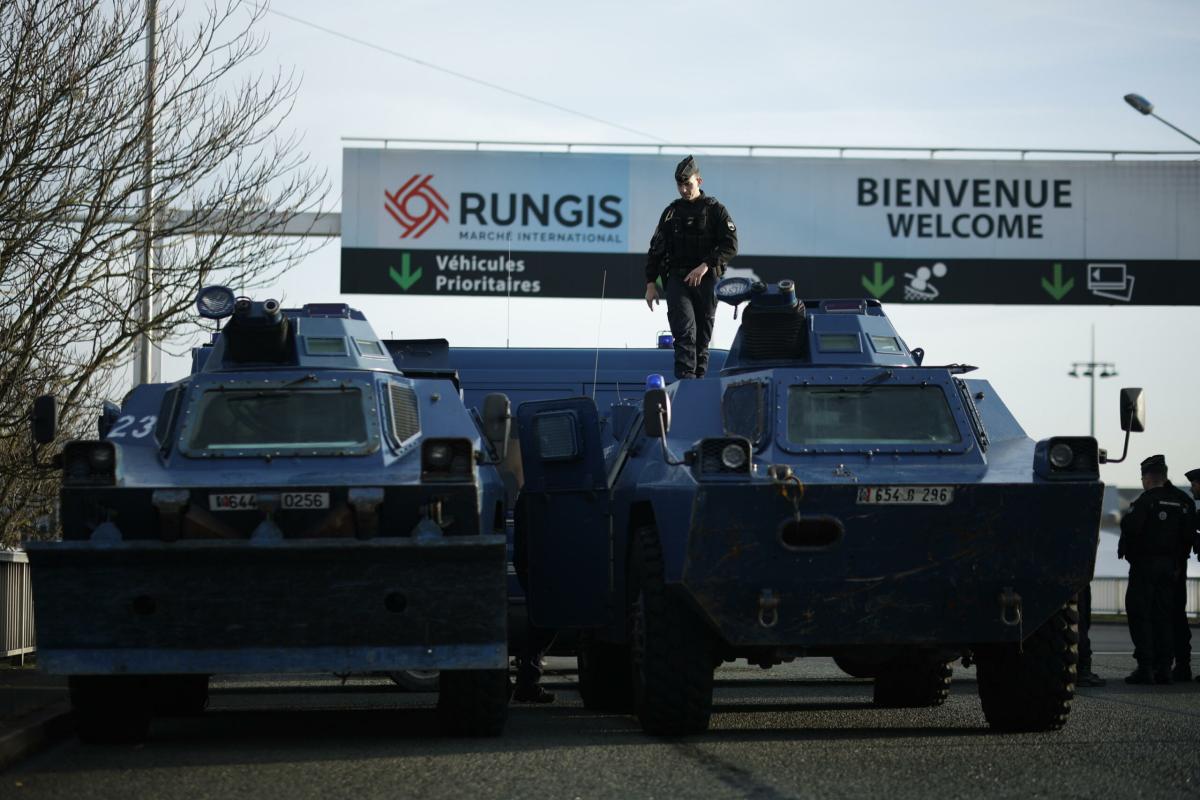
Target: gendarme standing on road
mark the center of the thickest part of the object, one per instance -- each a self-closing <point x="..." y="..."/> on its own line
<point x="1156" y="535"/>
<point x="694" y="240"/>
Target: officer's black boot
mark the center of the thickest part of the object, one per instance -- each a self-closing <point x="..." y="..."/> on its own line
<point x="1182" y="671"/>
<point x="1085" y="677"/>
<point x="1142" y="674"/>
<point x="1162" y="674"/>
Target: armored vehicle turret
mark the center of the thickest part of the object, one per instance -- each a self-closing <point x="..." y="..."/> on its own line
<point x="296" y="504"/>
<point x="829" y="494"/>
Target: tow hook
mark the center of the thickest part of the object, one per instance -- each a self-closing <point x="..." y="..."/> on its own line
<point x="768" y="609"/>
<point x="1010" y="614"/>
<point x="783" y="476"/>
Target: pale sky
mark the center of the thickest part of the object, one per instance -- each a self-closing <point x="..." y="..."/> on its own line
<point x="982" y="74"/>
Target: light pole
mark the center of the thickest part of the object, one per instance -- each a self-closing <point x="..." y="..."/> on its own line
<point x="1144" y="106"/>
<point x="1093" y="369"/>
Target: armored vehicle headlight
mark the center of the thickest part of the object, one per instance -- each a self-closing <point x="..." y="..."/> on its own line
<point x="439" y="455"/>
<point x="1067" y="458"/>
<point x="447" y="460"/>
<point x="722" y="455"/>
<point x="214" y="302"/>
<point x="90" y="463"/>
<point x="734" y="290"/>
<point x="1061" y="455"/>
<point x="733" y="456"/>
<point x="101" y="458"/>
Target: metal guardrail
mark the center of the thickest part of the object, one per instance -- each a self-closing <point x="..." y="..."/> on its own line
<point x="834" y="151"/>
<point x="1108" y="596"/>
<point x="16" y="605"/>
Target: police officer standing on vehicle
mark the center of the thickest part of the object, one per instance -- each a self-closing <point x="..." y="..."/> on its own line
<point x="1156" y="534"/>
<point x="694" y="240"/>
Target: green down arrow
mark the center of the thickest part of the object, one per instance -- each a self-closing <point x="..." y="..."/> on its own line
<point x="1058" y="290"/>
<point x="406" y="277"/>
<point x="878" y="287"/>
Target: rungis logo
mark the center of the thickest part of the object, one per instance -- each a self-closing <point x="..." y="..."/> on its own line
<point x="416" y="206"/>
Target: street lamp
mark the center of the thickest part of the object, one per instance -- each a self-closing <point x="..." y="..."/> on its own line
<point x="1144" y="106"/>
<point x="1093" y="369"/>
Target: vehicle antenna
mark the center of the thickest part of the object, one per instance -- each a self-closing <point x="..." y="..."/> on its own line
<point x="599" y="326"/>
<point x="508" y="301"/>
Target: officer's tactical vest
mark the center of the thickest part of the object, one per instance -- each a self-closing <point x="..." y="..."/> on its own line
<point x="689" y="231"/>
<point x="1161" y="534"/>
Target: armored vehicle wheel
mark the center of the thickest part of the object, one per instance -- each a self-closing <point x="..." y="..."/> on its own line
<point x="857" y="668"/>
<point x="912" y="684"/>
<point x="1032" y="689"/>
<point x="605" y="680"/>
<point x="178" y="695"/>
<point x="110" y="709"/>
<point x="671" y="653"/>
<point x="473" y="702"/>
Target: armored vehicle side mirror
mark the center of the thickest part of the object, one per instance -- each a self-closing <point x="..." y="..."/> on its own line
<point x="497" y="421"/>
<point x="1133" y="420"/>
<point x="656" y="412"/>
<point x="110" y="412"/>
<point x="1133" y="410"/>
<point x="44" y="419"/>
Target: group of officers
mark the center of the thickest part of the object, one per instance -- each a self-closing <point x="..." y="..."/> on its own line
<point x="1158" y="535"/>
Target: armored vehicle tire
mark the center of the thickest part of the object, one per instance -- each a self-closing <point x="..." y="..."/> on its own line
<point x="110" y="709"/>
<point x="1031" y="689"/>
<point x="605" y="679"/>
<point x="857" y="668"/>
<point x="672" y="655"/>
<point x="473" y="702"/>
<point x="912" y="684"/>
<point x="178" y="695"/>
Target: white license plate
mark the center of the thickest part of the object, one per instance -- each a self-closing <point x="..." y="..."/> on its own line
<point x="905" y="495"/>
<point x="248" y="501"/>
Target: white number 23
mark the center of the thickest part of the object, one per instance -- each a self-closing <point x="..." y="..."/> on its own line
<point x="123" y="425"/>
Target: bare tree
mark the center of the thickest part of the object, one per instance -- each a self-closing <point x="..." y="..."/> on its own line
<point x="72" y="124"/>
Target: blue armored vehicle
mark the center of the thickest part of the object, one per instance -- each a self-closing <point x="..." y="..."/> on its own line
<point x="296" y="504"/>
<point x="827" y="495"/>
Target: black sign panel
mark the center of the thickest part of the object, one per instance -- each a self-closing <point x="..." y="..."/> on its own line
<point x="966" y="281"/>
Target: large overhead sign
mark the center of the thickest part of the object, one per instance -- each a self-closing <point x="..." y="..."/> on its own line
<point x="464" y="223"/>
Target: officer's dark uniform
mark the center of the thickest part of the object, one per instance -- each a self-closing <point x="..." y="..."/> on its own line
<point x="1084" y="674"/>
<point x="691" y="233"/>
<point x="1155" y="533"/>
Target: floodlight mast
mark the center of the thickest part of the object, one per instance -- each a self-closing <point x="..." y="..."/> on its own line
<point x="1091" y="370"/>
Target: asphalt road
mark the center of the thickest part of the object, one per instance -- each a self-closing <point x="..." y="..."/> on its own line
<point x="801" y="730"/>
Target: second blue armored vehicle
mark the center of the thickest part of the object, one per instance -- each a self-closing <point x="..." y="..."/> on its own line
<point x="829" y="494"/>
<point x="296" y="504"/>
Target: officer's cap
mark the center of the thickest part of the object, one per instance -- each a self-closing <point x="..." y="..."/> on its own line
<point x="686" y="169"/>
<point x="1193" y="475"/>
<point x="1155" y="465"/>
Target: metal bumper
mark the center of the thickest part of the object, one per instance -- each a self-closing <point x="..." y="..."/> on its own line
<point x="288" y="606"/>
<point x="990" y="567"/>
